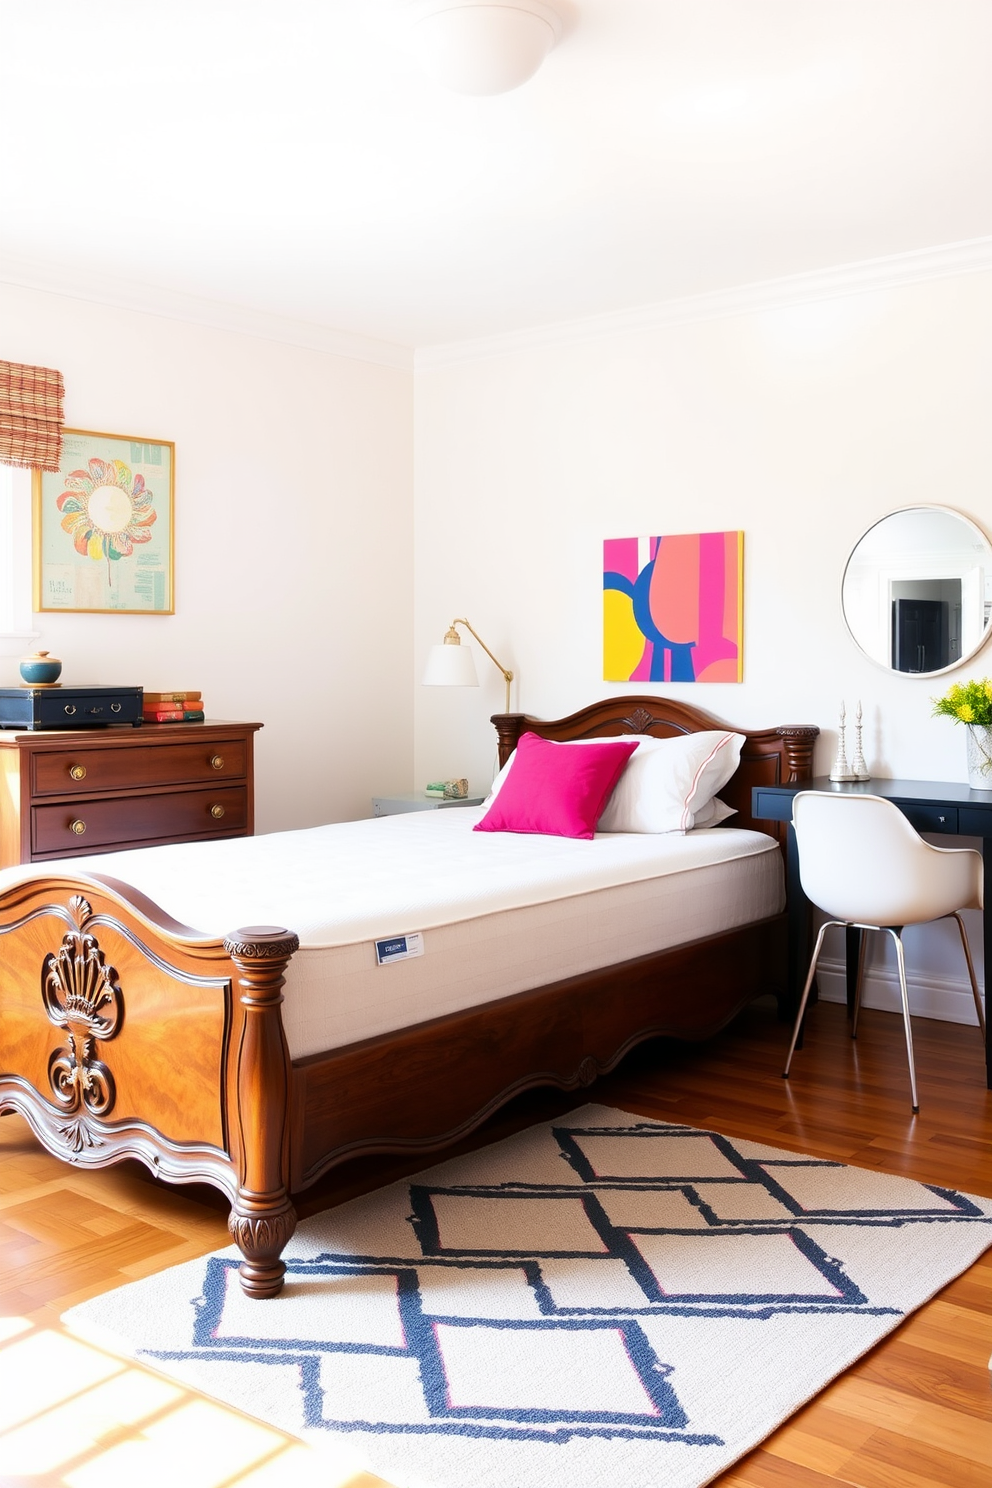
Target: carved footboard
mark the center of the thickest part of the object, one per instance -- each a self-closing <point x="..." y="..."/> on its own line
<point x="124" y="1034"/>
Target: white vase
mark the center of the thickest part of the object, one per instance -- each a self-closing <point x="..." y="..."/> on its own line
<point x="979" y="756"/>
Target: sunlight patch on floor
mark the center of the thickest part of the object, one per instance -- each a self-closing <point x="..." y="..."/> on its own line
<point x="11" y="1326"/>
<point x="72" y="1416"/>
<point x="59" y="1434"/>
<point x="199" y="1444"/>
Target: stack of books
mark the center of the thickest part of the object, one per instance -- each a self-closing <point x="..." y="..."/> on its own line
<point x="172" y="707"/>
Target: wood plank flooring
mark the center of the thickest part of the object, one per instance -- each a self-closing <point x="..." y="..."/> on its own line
<point x="916" y="1412"/>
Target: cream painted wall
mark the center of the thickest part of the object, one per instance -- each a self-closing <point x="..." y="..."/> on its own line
<point x="298" y="570"/>
<point x="801" y="425"/>
<point x="294" y="584"/>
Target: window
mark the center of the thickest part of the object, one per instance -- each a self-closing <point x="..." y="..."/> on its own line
<point x="16" y="621"/>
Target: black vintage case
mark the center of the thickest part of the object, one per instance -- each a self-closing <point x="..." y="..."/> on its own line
<point x="69" y="707"/>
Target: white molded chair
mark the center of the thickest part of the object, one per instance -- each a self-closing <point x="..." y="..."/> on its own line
<point x="862" y="863"/>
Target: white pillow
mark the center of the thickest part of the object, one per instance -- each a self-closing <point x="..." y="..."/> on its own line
<point x="713" y="813"/>
<point x="667" y="785"/>
<point x="667" y="781"/>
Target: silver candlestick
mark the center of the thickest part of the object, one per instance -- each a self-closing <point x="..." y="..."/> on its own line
<point x="858" y="765"/>
<point x="841" y="769"/>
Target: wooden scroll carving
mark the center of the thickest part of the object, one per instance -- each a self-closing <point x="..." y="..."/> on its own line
<point x="639" y="721"/>
<point x="587" y="1072"/>
<point x="262" y="1217"/>
<point x="82" y="996"/>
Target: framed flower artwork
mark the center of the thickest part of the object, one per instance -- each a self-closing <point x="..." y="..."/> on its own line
<point x="103" y="526"/>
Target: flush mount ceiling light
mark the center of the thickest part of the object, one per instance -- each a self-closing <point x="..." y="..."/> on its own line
<point x="482" y="46"/>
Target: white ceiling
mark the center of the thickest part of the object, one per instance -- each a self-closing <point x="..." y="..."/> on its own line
<point x="289" y="158"/>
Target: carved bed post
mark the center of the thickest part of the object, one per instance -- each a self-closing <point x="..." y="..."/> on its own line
<point x="262" y="1217"/>
<point x="799" y="742"/>
<point x="508" y="727"/>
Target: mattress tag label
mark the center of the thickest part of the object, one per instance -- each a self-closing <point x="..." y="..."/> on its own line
<point x="399" y="948"/>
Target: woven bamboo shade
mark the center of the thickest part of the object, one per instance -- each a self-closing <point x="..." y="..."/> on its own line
<point x="30" y="416"/>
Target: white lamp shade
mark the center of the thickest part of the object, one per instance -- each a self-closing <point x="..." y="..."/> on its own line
<point x="450" y="666"/>
<point x="473" y="47"/>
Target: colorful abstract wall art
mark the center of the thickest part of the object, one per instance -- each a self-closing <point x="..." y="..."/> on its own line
<point x="673" y="608"/>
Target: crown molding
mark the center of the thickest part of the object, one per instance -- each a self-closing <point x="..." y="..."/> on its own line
<point x="941" y="262"/>
<point x="148" y="299"/>
<point x="946" y="260"/>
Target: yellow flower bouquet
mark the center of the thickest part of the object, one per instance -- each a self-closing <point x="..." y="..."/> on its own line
<point x="967" y="702"/>
<point x="970" y="703"/>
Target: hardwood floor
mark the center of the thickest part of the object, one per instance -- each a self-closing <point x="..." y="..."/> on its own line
<point x="914" y="1413"/>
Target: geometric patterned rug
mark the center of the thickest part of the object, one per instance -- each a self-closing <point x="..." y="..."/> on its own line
<point x="599" y="1302"/>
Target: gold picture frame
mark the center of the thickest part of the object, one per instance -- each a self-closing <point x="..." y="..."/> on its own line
<point x="103" y="526"/>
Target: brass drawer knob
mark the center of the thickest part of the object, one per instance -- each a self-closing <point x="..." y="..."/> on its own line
<point x="77" y="772"/>
<point x="216" y="762"/>
<point x="77" y="826"/>
<point x="217" y="811"/>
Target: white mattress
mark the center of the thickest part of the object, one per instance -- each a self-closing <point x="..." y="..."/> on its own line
<point x="500" y="912"/>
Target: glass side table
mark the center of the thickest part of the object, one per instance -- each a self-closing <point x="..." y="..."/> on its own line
<point x="419" y="801"/>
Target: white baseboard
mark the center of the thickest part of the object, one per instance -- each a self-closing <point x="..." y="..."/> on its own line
<point x="944" y="998"/>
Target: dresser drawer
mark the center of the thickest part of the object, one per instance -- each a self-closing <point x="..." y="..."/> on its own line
<point x="84" y="771"/>
<point x="72" y="828"/>
<point x="932" y="818"/>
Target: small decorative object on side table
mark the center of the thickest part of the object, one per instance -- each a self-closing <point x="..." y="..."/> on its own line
<point x="841" y="769"/>
<point x="51" y="705"/>
<point x="184" y="706"/>
<point x="402" y="802"/>
<point x="858" y="764"/>
<point x="41" y="669"/>
<point x="451" y="790"/>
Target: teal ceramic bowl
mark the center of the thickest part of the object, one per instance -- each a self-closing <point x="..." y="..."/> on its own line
<point x="40" y="669"/>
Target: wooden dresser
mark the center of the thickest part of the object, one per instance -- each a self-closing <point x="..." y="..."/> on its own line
<point x="69" y="792"/>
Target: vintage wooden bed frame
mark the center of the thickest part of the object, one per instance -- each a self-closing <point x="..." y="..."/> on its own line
<point x="124" y="1034"/>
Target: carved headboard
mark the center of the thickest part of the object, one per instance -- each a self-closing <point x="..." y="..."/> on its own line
<point x="773" y="756"/>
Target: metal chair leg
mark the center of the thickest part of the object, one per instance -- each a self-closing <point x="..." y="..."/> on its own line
<point x="900" y="958"/>
<point x="860" y="982"/>
<point x="806" y="990"/>
<point x="971" y="973"/>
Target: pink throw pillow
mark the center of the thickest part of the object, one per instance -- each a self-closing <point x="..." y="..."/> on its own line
<point x="555" y="790"/>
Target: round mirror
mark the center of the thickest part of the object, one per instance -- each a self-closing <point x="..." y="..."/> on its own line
<point x="917" y="591"/>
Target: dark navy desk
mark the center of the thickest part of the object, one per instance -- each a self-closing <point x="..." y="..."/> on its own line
<point x="931" y="806"/>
